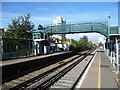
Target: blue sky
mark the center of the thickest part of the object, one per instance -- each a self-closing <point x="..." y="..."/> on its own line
<point x="44" y="12"/>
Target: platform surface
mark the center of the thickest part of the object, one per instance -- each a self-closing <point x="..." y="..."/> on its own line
<point x="7" y="62"/>
<point x="101" y="74"/>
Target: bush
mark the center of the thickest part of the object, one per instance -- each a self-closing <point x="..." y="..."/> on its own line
<point x="72" y="47"/>
<point x="76" y="46"/>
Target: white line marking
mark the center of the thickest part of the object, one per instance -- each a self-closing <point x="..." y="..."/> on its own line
<point x="85" y="73"/>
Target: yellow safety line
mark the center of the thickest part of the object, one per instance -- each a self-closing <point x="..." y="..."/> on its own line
<point x="99" y="72"/>
<point x="118" y="81"/>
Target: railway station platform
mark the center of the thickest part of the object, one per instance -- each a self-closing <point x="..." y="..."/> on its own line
<point x="20" y="60"/>
<point x="18" y="67"/>
<point x="100" y="73"/>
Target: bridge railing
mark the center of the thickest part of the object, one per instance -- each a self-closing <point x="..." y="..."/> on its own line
<point x="78" y="28"/>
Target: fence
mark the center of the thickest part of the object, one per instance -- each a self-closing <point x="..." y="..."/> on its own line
<point x="16" y="48"/>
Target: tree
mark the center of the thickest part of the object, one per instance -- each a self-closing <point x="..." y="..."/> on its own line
<point x="76" y="46"/>
<point x="64" y="40"/>
<point x="72" y="47"/>
<point x="90" y="44"/>
<point x="20" y="27"/>
<point x="101" y="44"/>
<point x="84" y="41"/>
<point x="57" y="40"/>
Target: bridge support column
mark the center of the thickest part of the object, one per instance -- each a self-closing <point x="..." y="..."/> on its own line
<point x="112" y="54"/>
<point x="117" y="55"/>
<point x="111" y="57"/>
<point x="107" y="47"/>
<point x="114" y="60"/>
<point x="35" y="48"/>
<point x="104" y="46"/>
<point x="111" y="51"/>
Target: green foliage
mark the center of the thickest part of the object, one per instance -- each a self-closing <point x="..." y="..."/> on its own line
<point x="64" y="40"/>
<point x="58" y="40"/>
<point x="82" y="44"/>
<point x="86" y="44"/>
<point x="20" y="27"/>
<point x="84" y="40"/>
<point x="90" y="44"/>
<point x="76" y="46"/>
<point x="101" y="44"/>
<point x="72" y="47"/>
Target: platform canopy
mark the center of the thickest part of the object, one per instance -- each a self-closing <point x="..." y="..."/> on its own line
<point x="100" y="26"/>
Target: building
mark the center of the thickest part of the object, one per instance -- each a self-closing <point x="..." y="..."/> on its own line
<point x="2" y="30"/>
<point x="39" y="41"/>
<point x="42" y="46"/>
<point x="59" y="21"/>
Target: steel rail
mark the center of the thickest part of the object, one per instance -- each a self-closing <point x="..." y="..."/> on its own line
<point x="24" y="81"/>
<point x="53" y="77"/>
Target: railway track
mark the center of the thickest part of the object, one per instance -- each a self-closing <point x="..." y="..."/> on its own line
<point x="70" y="79"/>
<point x="45" y="77"/>
<point x="55" y="76"/>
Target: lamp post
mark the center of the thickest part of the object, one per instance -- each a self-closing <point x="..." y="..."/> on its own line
<point x="108" y="20"/>
<point x="109" y="25"/>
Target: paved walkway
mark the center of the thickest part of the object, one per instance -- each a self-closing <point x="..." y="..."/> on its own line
<point x="101" y="73"/>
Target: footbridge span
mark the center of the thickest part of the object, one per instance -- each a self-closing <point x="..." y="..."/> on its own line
<point x="112" y="34"/>
<point x="83" y="27"/>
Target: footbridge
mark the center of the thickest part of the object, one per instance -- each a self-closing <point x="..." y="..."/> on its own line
<point x="83" y="27"/>
<point x="112" y="34"/>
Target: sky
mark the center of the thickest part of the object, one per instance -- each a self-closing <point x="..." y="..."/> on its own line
<point x="75" y="12"/>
